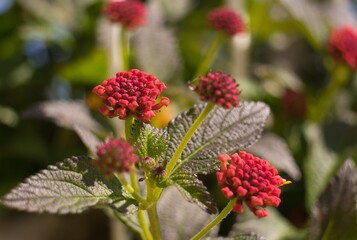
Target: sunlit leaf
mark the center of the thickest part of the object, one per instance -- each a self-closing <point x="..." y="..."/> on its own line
<point x="223" y="131"/>
<point x="194" y="191"/>
<point x="334" y="215"/>
<point x="71" y="186"/>
<point x="149" y="141"/>
<point x="175" y="213"/>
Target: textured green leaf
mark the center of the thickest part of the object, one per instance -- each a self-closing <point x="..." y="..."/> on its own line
<point x="194" y="191"/>
<point x="334" y="215"/>
<point x="319" y="164"/>
<point x="150" y="141"/>
<point x="174" y="213"/>
<point x="223" y="131"/>
<point x="71" y="186"/>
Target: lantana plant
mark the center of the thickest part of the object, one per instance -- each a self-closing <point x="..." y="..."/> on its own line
<point x="127" y="176"/>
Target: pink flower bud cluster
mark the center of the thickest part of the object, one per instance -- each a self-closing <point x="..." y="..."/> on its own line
<point x="251" y="180"/>
<point x="116" y="156"/>
<point x="131" y="14"/>
<point x="132" y="92"/>
<point x="219" y="88"/>
<point x="343" y="46"/>
<point x="226" y="20"/>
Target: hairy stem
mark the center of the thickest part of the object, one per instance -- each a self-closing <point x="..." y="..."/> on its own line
<point x="211" y="54"/>
<point x="131" y="190"/>
<point x="144" y="226"/>
<point x="170" y="166"/>
<point x="124" y="49"/>
<point x="216" y="221"/>
<point x="154" y="220"/>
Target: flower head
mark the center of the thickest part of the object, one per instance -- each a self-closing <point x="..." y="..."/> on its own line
<point x="219" y="88"/>
<point x="226" y="20"/>
<point x="115" y="156"/>
<point x="134" y="92"/>
<point x="131" y="14"/>
<point x="251" y="180"/>
<point x="343" y="46"/>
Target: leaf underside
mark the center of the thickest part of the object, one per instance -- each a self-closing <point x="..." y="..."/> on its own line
<point x="223" y="131"/>
<point x="71" y="186"/>
<point x="193" y="190"/>
<point x="240" y="236"/>
<point x="334" y="214"/>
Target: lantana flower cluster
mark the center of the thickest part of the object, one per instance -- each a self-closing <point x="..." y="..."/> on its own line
<point x="130" y="14"/>
<point x="131" y="93"/>
<point x="219" y="88"/>
<point x="343" y="46"/>
<point x="116" y="156"/>
<point x="251" y="180"/>
<point x="226" y="20"/>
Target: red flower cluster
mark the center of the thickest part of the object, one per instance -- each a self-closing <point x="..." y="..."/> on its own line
<point x="219" y="88"/>
<point x="132" y="92"/>
<point x="343" y="45"/>
<point x="115" y="156"/>
<point x="226" y="20"/>
<point x="131" y="14"/>
<point x="251" y="180"/>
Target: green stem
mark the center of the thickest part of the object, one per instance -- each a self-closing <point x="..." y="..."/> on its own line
<point x="144" y="226"/>
<point x="131" y="190"/>
<point x="339" y="79"/>
<point x="124" y="49"/>
<point x="129" y="223"/>
<point x="154" y="220"/>
<point x="128" y="125"/>
<point x="211" y="53"/>
<point x="170" y="166"/>
<point x="216" y="221"/>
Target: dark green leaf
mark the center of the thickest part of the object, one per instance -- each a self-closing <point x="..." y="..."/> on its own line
<point x="334" y="214"/>
<point x="223" y="131"/>
<point x="194" y="191"/>
<point x="150" y="141"/>
<point x="319" y="164"/>
<point x="71" y="186"/>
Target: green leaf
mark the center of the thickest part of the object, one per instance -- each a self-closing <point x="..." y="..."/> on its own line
<point x="194" y="191"/>
<point x="150" y="141"/>
<point x="71" y="186"/>
<point x="274" y="226"/>
<point x="223" y="131"/>
<point x="174" y="212"/>
<point x="334" y="215"/>
<point x="319" y="164"/>
<point x="275" y="150"/>
<point x="73" y="115"/>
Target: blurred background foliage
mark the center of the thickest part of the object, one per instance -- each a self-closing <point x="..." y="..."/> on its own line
<point x="60" y="49"/>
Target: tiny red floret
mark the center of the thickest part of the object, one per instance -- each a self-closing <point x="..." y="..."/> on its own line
<point x="130" y="14"/>
<point x="226" y="20"/>
<point x="342" y="46"/>
<point x="115" y="156"/>
<point x="219" y="88"/>
<point x="251" y="180"/>
<point x="131" y="93"/>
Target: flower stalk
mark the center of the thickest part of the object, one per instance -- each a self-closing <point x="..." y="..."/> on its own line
<point x="223" y="214"/>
